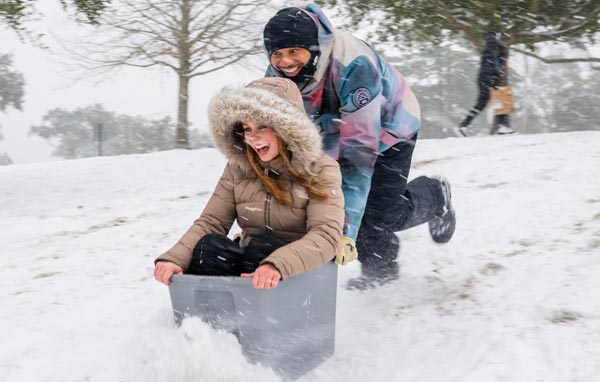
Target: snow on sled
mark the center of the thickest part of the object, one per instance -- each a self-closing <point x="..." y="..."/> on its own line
<point x="290" y="328"/>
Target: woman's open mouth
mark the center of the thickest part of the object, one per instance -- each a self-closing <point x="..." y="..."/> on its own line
<point x="262" y="150"/>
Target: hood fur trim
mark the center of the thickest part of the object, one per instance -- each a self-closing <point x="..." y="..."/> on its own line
<point x="232" y="105"/>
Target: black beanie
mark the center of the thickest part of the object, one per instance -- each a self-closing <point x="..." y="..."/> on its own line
<point x="291" y="28"/>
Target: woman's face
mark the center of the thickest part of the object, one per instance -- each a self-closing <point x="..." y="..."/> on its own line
<point x="262" y="139"/>
<point x="290" y="61"/>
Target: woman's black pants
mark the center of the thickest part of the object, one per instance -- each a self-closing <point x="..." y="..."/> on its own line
<point x="217" y="255"/>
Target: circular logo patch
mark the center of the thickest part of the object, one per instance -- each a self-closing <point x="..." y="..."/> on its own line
<point x="361" y="97"/>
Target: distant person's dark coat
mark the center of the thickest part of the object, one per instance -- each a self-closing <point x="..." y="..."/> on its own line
<point x="491" y="61"/>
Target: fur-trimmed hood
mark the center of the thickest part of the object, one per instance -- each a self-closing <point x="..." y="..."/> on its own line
<point x="274" y="102"/>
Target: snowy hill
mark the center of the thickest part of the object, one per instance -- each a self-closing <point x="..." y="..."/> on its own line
<point x="515" y="296"/>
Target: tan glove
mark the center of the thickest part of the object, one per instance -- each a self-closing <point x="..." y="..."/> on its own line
<point x="346" y="252"/>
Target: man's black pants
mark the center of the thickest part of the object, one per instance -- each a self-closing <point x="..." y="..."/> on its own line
<point x="394" y="205"/>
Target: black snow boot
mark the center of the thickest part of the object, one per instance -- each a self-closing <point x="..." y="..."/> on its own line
<point x="443" y="224"/>
<point x="374" y="277"/>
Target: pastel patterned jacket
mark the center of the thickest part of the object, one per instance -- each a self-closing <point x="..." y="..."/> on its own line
<point x="362" y="106"/>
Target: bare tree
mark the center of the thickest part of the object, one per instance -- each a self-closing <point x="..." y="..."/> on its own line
<point x="190" y="37"/>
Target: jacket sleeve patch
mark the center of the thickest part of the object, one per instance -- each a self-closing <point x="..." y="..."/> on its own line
<point x="361" y="97"/>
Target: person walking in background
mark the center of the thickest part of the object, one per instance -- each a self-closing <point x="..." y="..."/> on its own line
<point x="368" y="119"/>
<point x="284" y="192"/>
<point x="490" y="76"/>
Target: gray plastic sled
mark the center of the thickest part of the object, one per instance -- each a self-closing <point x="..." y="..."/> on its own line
<point x="290" y="328"/>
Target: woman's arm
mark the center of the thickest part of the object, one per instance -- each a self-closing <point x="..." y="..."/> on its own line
<point x="325" y="219"/>
<point x="217" y="217"/>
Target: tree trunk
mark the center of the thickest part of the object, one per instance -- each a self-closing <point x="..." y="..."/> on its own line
<point x="182" y="141"/>
<point x="183" y="48"/>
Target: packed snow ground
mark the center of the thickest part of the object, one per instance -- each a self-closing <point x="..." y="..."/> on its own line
<point x="515" y="296"/>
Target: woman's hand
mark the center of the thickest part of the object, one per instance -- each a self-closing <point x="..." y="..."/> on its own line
<point x="163" y="270"/>
<point x="264" y="277"/>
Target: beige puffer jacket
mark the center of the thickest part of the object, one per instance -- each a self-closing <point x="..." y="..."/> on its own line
<point x="312" y="228"/>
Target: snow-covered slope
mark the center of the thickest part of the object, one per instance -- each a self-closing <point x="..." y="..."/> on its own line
<point x="515" y="296"/>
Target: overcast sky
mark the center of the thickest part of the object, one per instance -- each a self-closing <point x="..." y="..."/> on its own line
<point x="49" y="84"/>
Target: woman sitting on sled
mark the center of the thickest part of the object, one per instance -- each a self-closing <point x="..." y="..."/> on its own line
<point x="284" y="192"/>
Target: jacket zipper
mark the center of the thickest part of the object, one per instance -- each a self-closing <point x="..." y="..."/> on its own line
<point x="267" y="213"/>
<point x="268" y="207"/>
